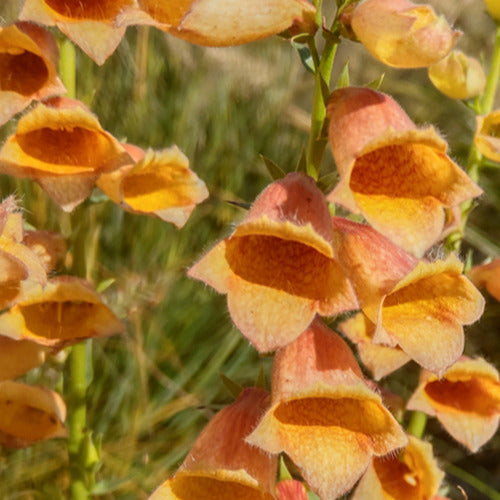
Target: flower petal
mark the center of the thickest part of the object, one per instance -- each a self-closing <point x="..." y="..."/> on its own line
<point x="487" y="137"/>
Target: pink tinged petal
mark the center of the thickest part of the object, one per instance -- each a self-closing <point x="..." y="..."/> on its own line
<point x="487" y="276"/>
<point x="402" y="34"/>
<point x="291" y="489"/>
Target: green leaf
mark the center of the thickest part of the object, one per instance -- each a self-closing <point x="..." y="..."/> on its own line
<point x="274" y="170"/>
<point x="302" y="163"/>
<point x="261" y="379"/>
<point x="304" y="54"/>
<point x="233" y="388"/>
<point x="375" y="84"/>
<point x="105" y="284"/>
<point x="240" y="204"/>
<point x="327" y="182"/>
<point x="343" y="80"/>
<point x="284" y="473"/>
<point x="107" y="486"/>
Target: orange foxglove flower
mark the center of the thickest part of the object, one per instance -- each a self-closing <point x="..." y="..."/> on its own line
<point x="291" y="489"/>
<point x="223" y="22"/>
<point x="277" y="268"/>
<point x="50" y="247"/>
<point x="420" y="306"/>
<point x="402" y="34"/>
<point x="323" y="415"/>
<point x="28" y="67"/>
<point x="487" y="276"/>
<point x="221" y="465"/>
<point x="458" y="76"/>
<point x="64" y="312"/>
<point x="61" y="145"/>
<point x="466" y="400"/>
<point x="380" y="359"/>
<point x="413" y="475"/>
<point x="91" y="25"/>
<point x="19" y="356"/>
<point x="487" y="137"/>
<point x="159" y="184"/>
<point x="29" y="414"/>
<point x="396" y="175"/>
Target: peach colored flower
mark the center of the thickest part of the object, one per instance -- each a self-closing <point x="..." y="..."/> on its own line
<point x="223" y="22"/>
<point x="291" y="489"/>
<point x="420" y="306"/>
<point x="277" y="268"/>
<point x="323" y="415"/>
<point x="63" y="312"/>
<point x="160" y="183"/>
<point x="487" y="137"/>
<point x="91" y="25"/>
<point x="61" y="145"/>
<point x="402" y="34"/>
<point x="28" y="67"/>
<point x="487" y="276"/>
<point x="411" y="475"/>
<point x="380" y="359"/>
<point x="396" y="175"/>
<point x="29" y="414"/>
<point x="458" y="76"/>
<point x="221" y="464"/>
<point x="50" y="247"/>
<point x="466" y="400"/>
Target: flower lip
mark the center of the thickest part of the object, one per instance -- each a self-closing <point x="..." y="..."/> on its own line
<point x="97" y="10"/>
<point x="14" y="64"/>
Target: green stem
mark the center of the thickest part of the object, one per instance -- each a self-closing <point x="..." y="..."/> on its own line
<point x="416" y="426"/>
<point x="67" y="66"/>
<point x="492" y="78"/>
<point x="473" y="481"/>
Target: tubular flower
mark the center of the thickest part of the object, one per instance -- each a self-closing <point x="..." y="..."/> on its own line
<point x="61" y="145"/>
<point x="90" y="24"/>
<point x="159" y="184"/>
<point x="458" y="76"/>
<point x="64" y="312"/>
<point x="466" y="401"/>
<point x="413" y="475"/>
<point x="277" y="268"/>
<point x="28" y="67"/>
<point x="323" y="413"/>
<point x="380" y="359"/>
<point x="487" y="137"/>
<point x="223" y="22"/>
<point x="402" y="34"/>
<point x="221" y="465"/>
<point x="420" y="306"/>
<point x="487" y="276"/>
<point x="396" y="175"/>
<point x="29" y="414"/>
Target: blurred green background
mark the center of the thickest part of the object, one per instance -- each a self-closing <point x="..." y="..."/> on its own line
<point x="157" y="385"/>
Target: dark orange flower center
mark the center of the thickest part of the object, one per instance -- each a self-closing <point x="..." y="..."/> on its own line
<point x="23" y="73"/>
<point x="397" y="479"/>
<point x="97" y="10"/>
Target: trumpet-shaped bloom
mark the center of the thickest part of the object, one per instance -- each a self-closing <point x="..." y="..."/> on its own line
<point x="277" y="268"/>
<point x="396" y="175"/>
<point x="159" y="184"/>
<point x="466" y="400"/>
<point x="29" y="414"/>
<point x="487" y="137"/>
<point x="28" y="67"/>
<point x="493" y="7"/>
<point x="221" y="465"/>
<point x="420" y="306"/>
<point x="458" y="76"/>
<point x="61" y="145"/>
<point x="323" y="415"/>
<point x="91" y="25"/>
<point x="413" y="475"/>
<point x="64" y="312"/>
<point x="223" y="22"/>
<point x="487" y="276"/>
<point x="380" y="359"/>
<point x="402" y="34"/>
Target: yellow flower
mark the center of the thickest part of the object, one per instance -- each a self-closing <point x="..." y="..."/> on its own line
<point x="466" y="400"/>
<point x="419" y="305"/>
<point x="402" y="34"/>
<point x="221" y="465"/>
<point x="277" y="268"/>
<point x="396" y="175"/>
<point x="28" y="67"/>
<point x="411" y="475"/>
<point x="160" y="183"/>
<point x="323" y="415"/>
<point x="223" y="22"/>
<point x="29" y="414"/>
<point x="91" y="25"/>
<point x="493" y="7"/>
<point x="458" y="76"/>
<point x="64" y="312"/>
<point x="487" y="137"/>
<point x="61" y="145"/>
